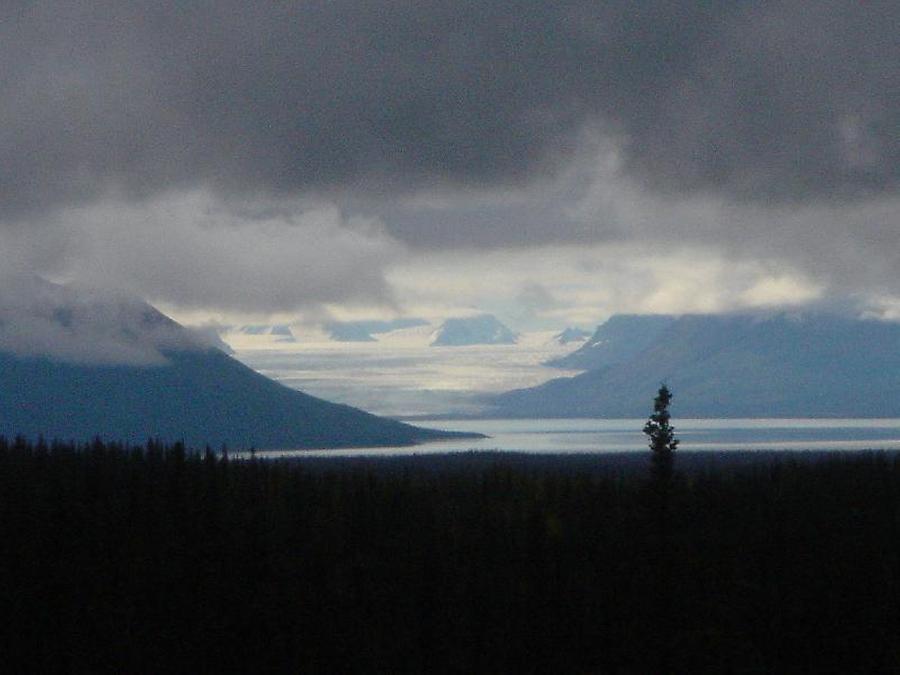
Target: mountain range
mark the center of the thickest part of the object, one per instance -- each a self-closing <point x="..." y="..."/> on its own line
<point x="365" y="331"/>
<point x="72" y="368"/>
<point x="738" y="365"/>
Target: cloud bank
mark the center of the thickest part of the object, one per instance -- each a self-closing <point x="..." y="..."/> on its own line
<point x="272" y="157"/>
<point x="185" y="250"/>
<point x="83" y="325"/>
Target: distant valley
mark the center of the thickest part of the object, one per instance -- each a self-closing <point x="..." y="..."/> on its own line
<point x="776" y="364"/>
<point x="403" y="372"/>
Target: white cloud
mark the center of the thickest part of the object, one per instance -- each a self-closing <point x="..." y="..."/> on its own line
<point x="192" y="252"/>
<point x="589" y="283"/>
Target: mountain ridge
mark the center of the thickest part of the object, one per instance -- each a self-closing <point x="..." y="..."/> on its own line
<point x="739" y="365"/>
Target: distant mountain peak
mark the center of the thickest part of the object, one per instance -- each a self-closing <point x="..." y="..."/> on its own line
<point x="572" y="334"/>
<point x="484" y="329"/>
<point x="618" y="338"/>
<point x="280" y="332"/>
<point x="365" y="330"/>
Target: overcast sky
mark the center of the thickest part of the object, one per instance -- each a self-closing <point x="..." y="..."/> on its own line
<point x="551" y="161"/>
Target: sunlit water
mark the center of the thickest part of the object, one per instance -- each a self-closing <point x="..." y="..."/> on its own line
<point x="624" y="435"/>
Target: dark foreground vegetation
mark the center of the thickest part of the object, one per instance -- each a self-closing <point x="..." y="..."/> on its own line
<point x="153" y="560"/>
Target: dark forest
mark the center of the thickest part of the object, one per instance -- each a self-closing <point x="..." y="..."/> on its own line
<point x="155" y="559"/>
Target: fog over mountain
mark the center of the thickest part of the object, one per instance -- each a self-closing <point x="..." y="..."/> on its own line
<point x="117" y="368"/>
<point x="84" y="325"/>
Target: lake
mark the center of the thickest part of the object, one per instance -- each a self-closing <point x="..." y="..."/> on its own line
<point x="560" y="436"/>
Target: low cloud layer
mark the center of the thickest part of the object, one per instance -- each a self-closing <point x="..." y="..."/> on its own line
<point x="82" y="325"/>
<point x="187" y="251"/>
<point x="583" y="285"/>
<point x="264" y="158"/>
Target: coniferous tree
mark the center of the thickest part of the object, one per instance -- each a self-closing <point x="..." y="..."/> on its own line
<point x="661" y="434"/>
<point x="662" y="445"/>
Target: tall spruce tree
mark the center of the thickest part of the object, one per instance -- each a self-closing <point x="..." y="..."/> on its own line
<point x="661" y="434"/>
<point x="662" y="445"/>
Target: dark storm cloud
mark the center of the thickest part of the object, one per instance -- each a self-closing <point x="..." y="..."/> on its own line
<point x="790" y="101"/>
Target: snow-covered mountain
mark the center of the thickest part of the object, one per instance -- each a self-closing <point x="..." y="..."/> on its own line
<point x="365" y="331"/>
<point x="572" y="334"/>
<point x="484" y="329"/>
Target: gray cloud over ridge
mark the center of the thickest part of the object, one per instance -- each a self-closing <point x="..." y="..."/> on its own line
<point x="186" y="250"/>
<point x="84" y="325"/>
<point x="756" y="101"/>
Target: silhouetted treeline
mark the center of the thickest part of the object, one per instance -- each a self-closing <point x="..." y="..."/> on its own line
<point x="150" y="560"/>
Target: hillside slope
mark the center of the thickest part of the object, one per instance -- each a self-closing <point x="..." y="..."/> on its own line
<point x="73" y="367"/>
<point x="736" y="366"/>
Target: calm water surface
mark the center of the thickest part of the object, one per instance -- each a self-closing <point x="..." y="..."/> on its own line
<point x="624" y="435"/>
